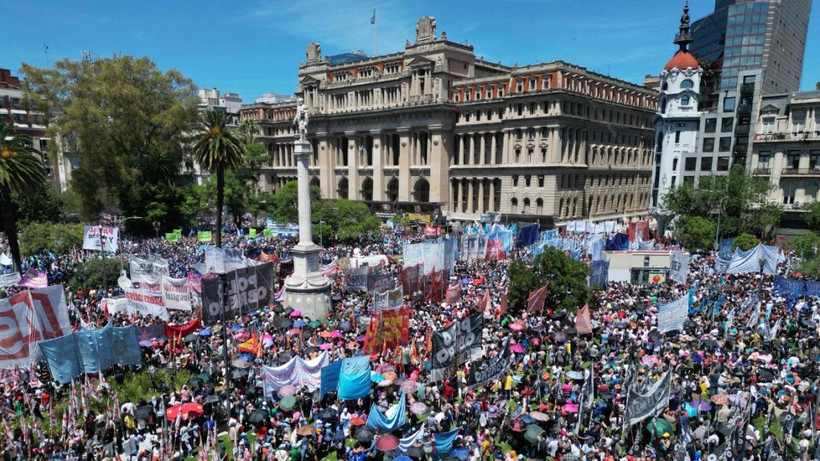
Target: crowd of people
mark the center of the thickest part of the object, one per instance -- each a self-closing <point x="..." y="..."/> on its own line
<point x="742" y="372"/>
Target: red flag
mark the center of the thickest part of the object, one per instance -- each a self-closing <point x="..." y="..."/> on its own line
<point x="453" y="294"/>
<point x="583" y="323"/>
<point x="486" y="302"/>
<point x="536" y="300"/>
<point x="504" y="301"/>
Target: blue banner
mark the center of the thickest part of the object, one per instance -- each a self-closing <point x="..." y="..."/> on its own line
<point x="526" y="236"/>
<point x="61" y="354"/>
<point x="354" y="378"/>
<point x="91" y="351"/>
<point x="599" y="273"/>
<point x="444" y="441"/>
<point x="380" y="421"/>
<point x="725" y="248"/>
<point x="330" y="378"/>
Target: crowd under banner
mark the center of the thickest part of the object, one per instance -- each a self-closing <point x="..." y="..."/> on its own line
<point x="643" y="406"/>
<point x="249" y="288"/>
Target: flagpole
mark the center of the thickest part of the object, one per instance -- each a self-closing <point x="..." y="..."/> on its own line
<point x="373" y="23"/>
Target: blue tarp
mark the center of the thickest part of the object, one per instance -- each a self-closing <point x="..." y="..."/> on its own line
<point x="795" y="288"/>
<point x="749" y="261"/>
<point x="444" y="441"/>
<point x="391" y="420"/>
<point x="526" y="236"/>
<point x="91" y="351"/>
<point x="599" y="273"/>
<point x="354" y="378"/>
<point x="330" y="378"/>
<point x="618" y="242"/>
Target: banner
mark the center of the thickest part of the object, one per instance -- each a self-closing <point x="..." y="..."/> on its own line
<point x="379" y="280"/>
<point x="440" y="254"/>
<point x="140" y="267"/>
<point x="329" y="377"/>
<point x="181" y="331"/>
<point x="643" y="406"/>
<point x="173" y="237"/>
<point x="489" y="368"/>
<point x="453" y="294"/>
<point x="249" y="288"/>
<point x="161" y="267"/>
<point x="110" y="237"/>
<point x="91" y="352"/>
<point x="149" y="332"/>
<point x="583" y="321"/>
<point x="354" y="378"/>
<point x="388" y="330"/>
<point x="536" y="300"/>
<point x="296" y="372"/>
<point x="143" y="302"/>
<point x="10" y="279"/>
<point x="27" y="318"/>
<point x="391" y="420"/>
<point x="410" y="280"/>
<point x="34" y="278"/>
<point x="599" y="273"/>
<point x="391" y="299"/>
<point x="679" y="267"/>
<point x="176" y="293"/>
<point x="456" y="344"/>
<point x="672" y="315"/>
<point x="638" y="230"/>
<point x="252" y="233"/>
<point x="204" y="236"/>
<point x="356" y="279"/>
<point x="526" y="236"/>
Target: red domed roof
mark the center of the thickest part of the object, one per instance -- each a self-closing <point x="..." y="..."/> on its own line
<point x="682" y="60"/>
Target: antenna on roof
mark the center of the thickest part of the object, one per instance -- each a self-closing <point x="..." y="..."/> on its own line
<point x="45" y="51"/>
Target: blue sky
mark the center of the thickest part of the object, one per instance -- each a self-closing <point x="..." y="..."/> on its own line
<point x="253" y="47"/>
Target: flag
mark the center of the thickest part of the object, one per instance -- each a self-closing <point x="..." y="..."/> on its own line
<point x="267" y="233"/>
<point x="487" y="303"/>
<point x="504" y="301"/>
<point x="583" y="323"/>
<point x="536" y="299"/>
<point x="453" y="294"/>
<point x="204" y="236"/>
<point x="373" y="18"/>
<point x="252" y="233"/>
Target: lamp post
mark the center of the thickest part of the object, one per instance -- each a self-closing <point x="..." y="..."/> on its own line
<point x="156" y="228"/>
<point x="717" y="229"/>
<point x="762" y="262"/>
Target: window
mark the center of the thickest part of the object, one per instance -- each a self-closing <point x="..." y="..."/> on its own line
<point x="798" y="122"/>
<point x="527" y="180"/>
<point x="750" y="78"/>
<point x="729" y="104"/>
<point x="684" y="100"/>
<point x="543" y="154"/>
<point x="767" y="125"/>
<point x="519" y="134"/>
<point x="793" y="160"/>
<point x="690" y="164"/>
<point x="706" y="164"/>
<point x="687" y="83"/>
<point x="677" y="137"/>
<point x="711" y="125"/>
<point x="663" y="106"/>
<point x="763" y="159"/>
<point x="725" y="144"/>
<point x="515" y="180"/>
<point x="723" y="164"/>
<point x="726" y="124"/>
<point x="674" y="164"/>
<point x="539" y="206"/>
<point x="788" y="195"/>
<point x="814" y="160"/>
<point x="526" y="206"/>
<point x="531" y="134"/>
<point x="708" y="144"/>
<point x="513" y="205"/>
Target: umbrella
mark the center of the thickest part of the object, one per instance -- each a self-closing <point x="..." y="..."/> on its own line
<point x="325" y="334"/>
<point x="364" y="434"/>
<point x="146" y="343"/>
<point x="335" y="334"/>
<point x="240" y="363"/>
<point x="409" y="387"/>
<point x="416" y="452"/>
<point x="235" y="327"/>
<point x="559" y="337"/>
<point x="539" y="416"/>
<point x="527" y="418"/>
<point x="205" y="332"/>
<point x="517" y="326"/>
<point x="418" y="408"/>
<point x="236" y="374"/>
<point x="650" y="360"/>
<point x="533" y="431"/>
<point x="720" y="399"/>
<point x="518" y="426"/>
<point x="326" y="414"/>
<point x="296" y="314"/>
<point x="574" y="375"/>
<point x="375" y="377"/>
<point x="385" y="383"/>
<point x="299" y="323"/>
<point x="212" y="399"/>
<point x="570" y="331"/>
<point x="517" y="348"/>
<point x="190" y="338"/>
<point x="144" y="412"/>
<point x="659" y="426"/>
<point x="287" y="403"/>
<point x="186" y="409"/>
<point x="391" y="375"/>
<point x="194" y="382"/>
<point x="345" y="325"/>
<point x="387" y="443"/>
<point x="460" y="453"/>
<point x="287" y="390"/>
<point x="294" y="331"/>
<point x="326" y="346"/>
<point x="570" y="408"/>
<point x="258" y="416"/>
<point x="314" y="323"/>
<point x="285" y="323"/>
<point x="305" y="430"/>
<point x="402" y="458"/>
<point x="204" y="376"/>
<point x="701" y="405"/>
<point x="357" y="421"/>
<point x="385" y="367"/>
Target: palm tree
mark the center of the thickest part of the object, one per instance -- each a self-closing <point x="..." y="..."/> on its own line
<point x="20" y="169"/>
<point x="217" y="149"/>
<point x="248" y="129"/>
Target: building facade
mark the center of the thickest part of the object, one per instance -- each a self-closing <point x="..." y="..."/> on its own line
<point x="433" y="128"/>
<point x="787" y="152"/>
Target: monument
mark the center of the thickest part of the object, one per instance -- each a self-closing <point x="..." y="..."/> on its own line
<point x="307" y="290"/>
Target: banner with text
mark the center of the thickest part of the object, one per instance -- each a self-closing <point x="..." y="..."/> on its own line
<point x="249" y="288"/>
<point x="101" y="238"/>
<point x="144" y="302"/>
<point x="29" y="317"/>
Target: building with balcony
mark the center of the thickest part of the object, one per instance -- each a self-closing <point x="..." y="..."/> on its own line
<point x="786" y="151"/>
<point x="433" y="128"/>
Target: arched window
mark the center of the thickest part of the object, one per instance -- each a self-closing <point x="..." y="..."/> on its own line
<point x="688" y="83"/>
<point x="560" y="208"/>
<point x="513" y="205"/>
<point x="663" y="105"/>
<point x="665" y="86"/>
<point x="526" y="209"/>
<point x="539" y="206"/>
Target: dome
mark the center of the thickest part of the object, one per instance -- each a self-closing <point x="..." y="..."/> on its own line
<point x="682" y="60"/>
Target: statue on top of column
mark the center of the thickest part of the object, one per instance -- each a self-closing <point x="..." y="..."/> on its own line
<point x="314" y="52"/>
<point x="426" y="29"/>
<point x="302" y="118"/>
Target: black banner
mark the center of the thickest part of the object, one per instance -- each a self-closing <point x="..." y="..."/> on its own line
<point x="379" y="280"/>
<point x="249" y="288"/>
<point x="457" y="344"/>
<point x="642" y="406"/>
<point x="356" y="279"/>
<point x="489" y="367"/>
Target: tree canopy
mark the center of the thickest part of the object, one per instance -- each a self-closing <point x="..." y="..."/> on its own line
<point x="566" y="277"/>
<point x="124" y="120"/>
<point x="739" y="200"/>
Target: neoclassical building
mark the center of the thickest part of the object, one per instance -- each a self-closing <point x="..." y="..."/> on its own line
<point x="436" y="129"/>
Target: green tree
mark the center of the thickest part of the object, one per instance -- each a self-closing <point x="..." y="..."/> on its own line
<point x="248" y="129"/>
<point x="285" y="207"/>
<point x="695" y="232"/>
<point x="196" y="201"/>
<point x="40" y="203"/>
<point x="745" y="241"/>
<point x="91" y="274"/>
<point x="242" y="183"/>
<point x="345" y="220"/>
<point x="21" y="169"/>
<point x="217" y="149"/>
<point x="807" y="247"/>
<point x="38" y="237"/>
<point x="739" y="200"/>
<point x="812" y="218"/>
<point x="125" y="121"/>
<point x="566" y="277"/>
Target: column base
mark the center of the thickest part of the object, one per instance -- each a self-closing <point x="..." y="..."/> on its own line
<point x="309" y="294"/>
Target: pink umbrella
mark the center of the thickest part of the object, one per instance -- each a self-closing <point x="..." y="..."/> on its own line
<point x="650" y="360"/>
<point x="517" y="348"/>
<point x="335" y="334"/>
<point x="242" y="336"/>
<point x="517" y="326"/>
<point x="294" y="331"/>
<point x="286" y="390"/>
<point x="325" y="346"/>
<point x="570" y="408"/>
<point x="267" y="340"/>
<point x="296" y="314"/>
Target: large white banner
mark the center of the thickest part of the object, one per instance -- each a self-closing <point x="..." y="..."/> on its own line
<point x="110" y="238"/>
<point x="671" y="315"/>
<point x="679" y="267"/>
<point x="10" y="279"/>
<point x="176" y="293"/>
<point x="28" y="318"/>
<point x="145" y="303"/>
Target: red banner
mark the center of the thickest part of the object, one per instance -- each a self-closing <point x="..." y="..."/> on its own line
<point x="583" y="322"/>
<point x="181" y="331"/>
<point x="390" y="329"/>
<point x="536" y="300"/>
<point x="504" y="301"/>
<point x="638" y="229"/>
<point x="454" y="294"/>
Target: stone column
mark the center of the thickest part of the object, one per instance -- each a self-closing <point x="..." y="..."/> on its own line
<point x="460" y="151"/>
<point x="327" y="162"/>
<point x="480" y="196"/>
<point x="378" y="165"/>
<point x="470" y="189"/>
<point x="553" y="151"/>
<point x="471" y="153"/>
<point x="492" y="195"/>
<point x="352" y="166"/>
<point x="439" y="149"/>
<point x="404" y="163"/>
<point x="483" y="149"/>
<point x="493" y="147"/>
